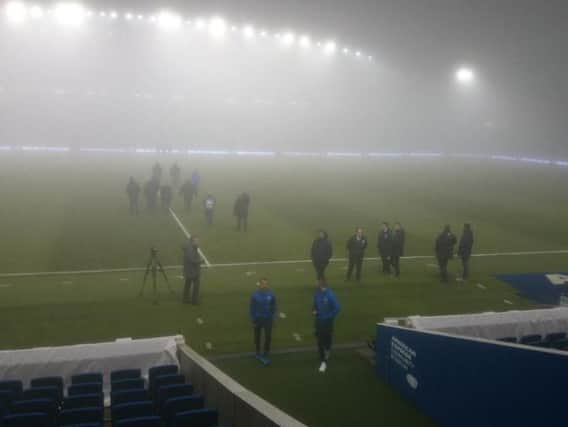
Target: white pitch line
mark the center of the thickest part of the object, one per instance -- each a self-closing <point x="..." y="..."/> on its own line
<point x="506" y="301"/>
<point x="209" y="346"/>
<point x="200" y="321"/>
<point x="189" y="236"/>
<point x="255" y="263"/>
<point x="297" y="337"/>
<point x="480" y="286"/>
<point x="283" y="315"/>
<point x="6" y="285"/>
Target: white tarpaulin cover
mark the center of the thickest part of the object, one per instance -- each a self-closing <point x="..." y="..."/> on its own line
<point x="84" y="358"/>
<point x="496" y="325"/>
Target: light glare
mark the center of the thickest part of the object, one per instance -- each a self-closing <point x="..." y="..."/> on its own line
<point x="169" y="21"/>
<point x="248" y="32"/>
<point x="288" y="39"/>
<point x="217" y="28"/>
<point x="305" y="42"/>
<point x="465" y="76"/>
<point x="330" y="47"/>
<point x="70" y="14"/>
<point x="36" y="12"/>
<point x="16" y="12"/>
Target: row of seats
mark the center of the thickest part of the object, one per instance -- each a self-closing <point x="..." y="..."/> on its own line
<point x="556" y="340"/>
<point x="167" y="401"/>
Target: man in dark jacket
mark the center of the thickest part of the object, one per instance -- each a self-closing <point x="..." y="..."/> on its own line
<point x="192" y="271"/>
<point x="445" y="251"/>
<point x="384" y="245"/>
<point x="166" y="197"/>
<point x="157" y="172"/>
<point x="151" y="190"/>
<point x="175" y="175"/>
<point x="133" y="191"/>
<point x="325" y="309"/>
<point x="356" y="246"/>
<point x="398" y="240"/>
<point x="187" y="191"/>
<point x="321" y="254"/>
<point x="465" y="248"/>
<point x="241" y="211"/>
<point x="262" y="312"/>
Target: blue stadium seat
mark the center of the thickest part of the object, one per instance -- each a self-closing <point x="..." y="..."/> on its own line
<point x="140" y="422"/>
<point x="556" y="340"/>
<point x="175" y="390"/>
<point x="127" y="396"/>
<point x="45" y="406"/>
<point x="86" y="388"/>
<point x="157" y="371"/>
<point x="130" y="384"/>
<point x="27" y="420"/>
<point x="508" y="339"/>
<point x="131" y="410"/>
<point x="47" y="382"/>
<point x="7" y="396"/>
<point x="85" y="425"/>
<point x="163" y="380"/>
<point x="14" y="386"/>
<point x="176" y="405"/>
<point x="84" y="401"/>
<point x="94" y="377"/>
<point x="48" y="392"/>
<point x="533" y="339"/>
<point x="80" y="416"/>
<point x="125" y="374"/>
<point x="197" y="418"/>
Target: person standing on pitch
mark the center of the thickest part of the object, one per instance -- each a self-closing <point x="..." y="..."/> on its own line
<point x="175" y="175"/>
<point x="322" y="252"/>
<point x="325" y="309"/>
<point x="241" y="211"/>
<point x="133" y="191"/>
<point x="398" y="240"/>
<point x="262" y="311"/>
<point x="465" y="248"/>
<point x="384" y="245"/>
<point x="192" y="271"/>
<point x="166" y="196"/>
<point x="187" y="191"/>
<point x="196" y="180"/>
<point x="157" y="172"/>
<point x="444" y="249"/>
<point x="356" y="246"/>
<point x="209" y="206"/>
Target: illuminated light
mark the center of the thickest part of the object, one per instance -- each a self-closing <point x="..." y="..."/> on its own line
<point x="102" y="14"/>
<point x="465" y="76"/>
<point x="234" y="29"/>
<point x="113" y="15"/>
<point x="140" y="17"/>
<point x="319" y="44"/>
<point x="345" y="51"/>
<point x="36" y="12"/>
<point x="344" y="154"/>
<point x="129" y="17"/>
<point x="217" y="28"/>
<point x="248" y="32"/>
<point x="208" y="152"/>
<point x="70" y="14"/>
<point x="264" y="34"/>
<point x="16" y="12"/>
<point x="200" y="24"/>
<point x="288" y="39"/>
<point x="305" y="42"/>
<point x="256" y="153"/>
<point x="330" y="47"/>
<point x="45" y="148"/>
<point x="358" y="53"/>
<point x="152" y="18"/>
<point x="169" y="21"/>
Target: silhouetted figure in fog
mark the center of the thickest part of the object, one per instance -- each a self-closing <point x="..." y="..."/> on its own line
<point x="157" y="172"/>
<point x="175" y="175"/>
<point x="241" y="211"/>
<point x="209" y="207"/>
<point x="398" y="241"/>
<point x="187" y="191"/>
<point x="166" y="195"/>
<point x="465" y="248"/>
<point x="133" y="191"/>
<point x="151" y="190"/>
<point x="321" y="253"/>
<point x="192" y="271"/>
<point x="384" y="245"/>
<point x="444" y="249"/>
<point x="196" y="181"/>
<point x="356" y="246"/>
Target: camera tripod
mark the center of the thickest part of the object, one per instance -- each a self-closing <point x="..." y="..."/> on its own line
<point x="154" y="266"/>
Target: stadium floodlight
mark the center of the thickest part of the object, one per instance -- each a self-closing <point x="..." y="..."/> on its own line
<point x="128" y="16"/>
<point x="248" y="32"/>
<point x="465" y="76"/>
<point x="358" y="53"/>
<point x="217" y="27"/>
<point x="113" y="15"/>
<point x="345" y="51"/>
<point x="169" y="21"/>
<point x="36" y="12"/>
<point x="234" y="29"/>
<point x="70" y="14"/>
<point x="264" y="33"/>
<point x="330" y="47"/>
<point x="200" y="24"/>
<point x="288" y="39"/>
<point x="102" y="14"/>
<point x="305" y="42"/>
<point x="16" y="12"/>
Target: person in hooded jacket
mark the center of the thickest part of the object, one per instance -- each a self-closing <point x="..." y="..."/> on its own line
<point x="384" y="245"/>
<point x="444" y="249"/>
<point x="398" y="241"/>
<point x="321" y="253"/>
<point x="465" y="249"/>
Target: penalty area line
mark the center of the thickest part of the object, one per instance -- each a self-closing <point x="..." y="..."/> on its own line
<point x="184" y="230"/>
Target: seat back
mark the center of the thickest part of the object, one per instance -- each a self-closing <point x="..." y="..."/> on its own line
<point x="93" y="377"/>
<point x="508" y="339"/>
<point x="177" y="405"/>
<point x="131" y="410"/>
<point x="163" y="380"/>
<point x="129" y="384"/>
<point x="48" y="392"/>
<point x="174" y="390"/>
<point x="157" y="371"/>
<point x="140" y="422"/>
<point x="127" y="396"/>
<point x="15" y="386"/>
<point x="80" y="416"/>
<point x="530" y="339"/>
<point x="125" y="374"/>
<point x="85" y="388"/>
<point x="197" y="418"/>
<point x="80" y="401"/>
<point x="555" y="336"/>
<point x="27" y="420"/>
<point x="47" y="382"/>
<point x="45" y="406"/>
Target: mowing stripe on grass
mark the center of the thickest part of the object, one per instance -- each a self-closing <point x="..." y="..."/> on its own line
<point x="188" y="236"/>
<point x="249" y="264"/>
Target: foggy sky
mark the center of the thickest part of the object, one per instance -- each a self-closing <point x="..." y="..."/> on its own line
<point x="160" y="93"/>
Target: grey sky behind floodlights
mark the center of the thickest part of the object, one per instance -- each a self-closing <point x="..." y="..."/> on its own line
<point x="123" y="84"/>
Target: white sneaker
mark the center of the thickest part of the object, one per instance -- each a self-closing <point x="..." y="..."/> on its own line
<point x="323" y="367"/>
<point x="327" y="355"/>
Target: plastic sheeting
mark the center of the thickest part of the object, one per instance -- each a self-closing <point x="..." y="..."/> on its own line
<point x="496" y="325"/>
<point x="106" y="357"/>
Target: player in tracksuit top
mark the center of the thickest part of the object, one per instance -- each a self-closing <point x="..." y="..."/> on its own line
<point x="262" y="312"/>
<point x="325" y="309"/>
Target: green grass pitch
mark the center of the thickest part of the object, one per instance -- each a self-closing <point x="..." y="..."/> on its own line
<point x="69" y="212"/>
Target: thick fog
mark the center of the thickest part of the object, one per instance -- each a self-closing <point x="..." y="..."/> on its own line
<point x="118" y="83"/>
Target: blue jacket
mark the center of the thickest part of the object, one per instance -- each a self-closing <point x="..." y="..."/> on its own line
<point x="326" y="304"/>
<point x="262" y="305"/>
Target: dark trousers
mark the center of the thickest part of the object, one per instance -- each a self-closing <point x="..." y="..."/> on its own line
<point x="443" y="263"/>
<point x="242" y="222"/>
<point x="324" y="335"/>
<point x="465" y="265"/>
<point x="134" y="206"/>
<point x="187" y="201"/>
<point x="320" y="270"/>
<point x="259" y="326"/>
<point x="395" y="262"/>
<point x="209" y="216"/>
<point x="191" y="290"/>
<point x="355" y="263"/>
<point x="386" y="261"/>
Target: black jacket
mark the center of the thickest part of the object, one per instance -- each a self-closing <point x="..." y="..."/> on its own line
<point x="191" y="262"/>
<point x="133" y="189"/>
<point x="466" y="244"/>
<point x="242" y="204"/>
<point x="187" y="190"/>
<point x="356" y="248"/>
<point x="445" y="245"/>
<point x="322" y="250"/>
<point x="398" y="239"/>
<point x="384" y="243"/>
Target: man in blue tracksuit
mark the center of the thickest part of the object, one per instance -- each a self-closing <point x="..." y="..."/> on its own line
<point x="325" y="308"/>
<point x="262" y="312"/>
